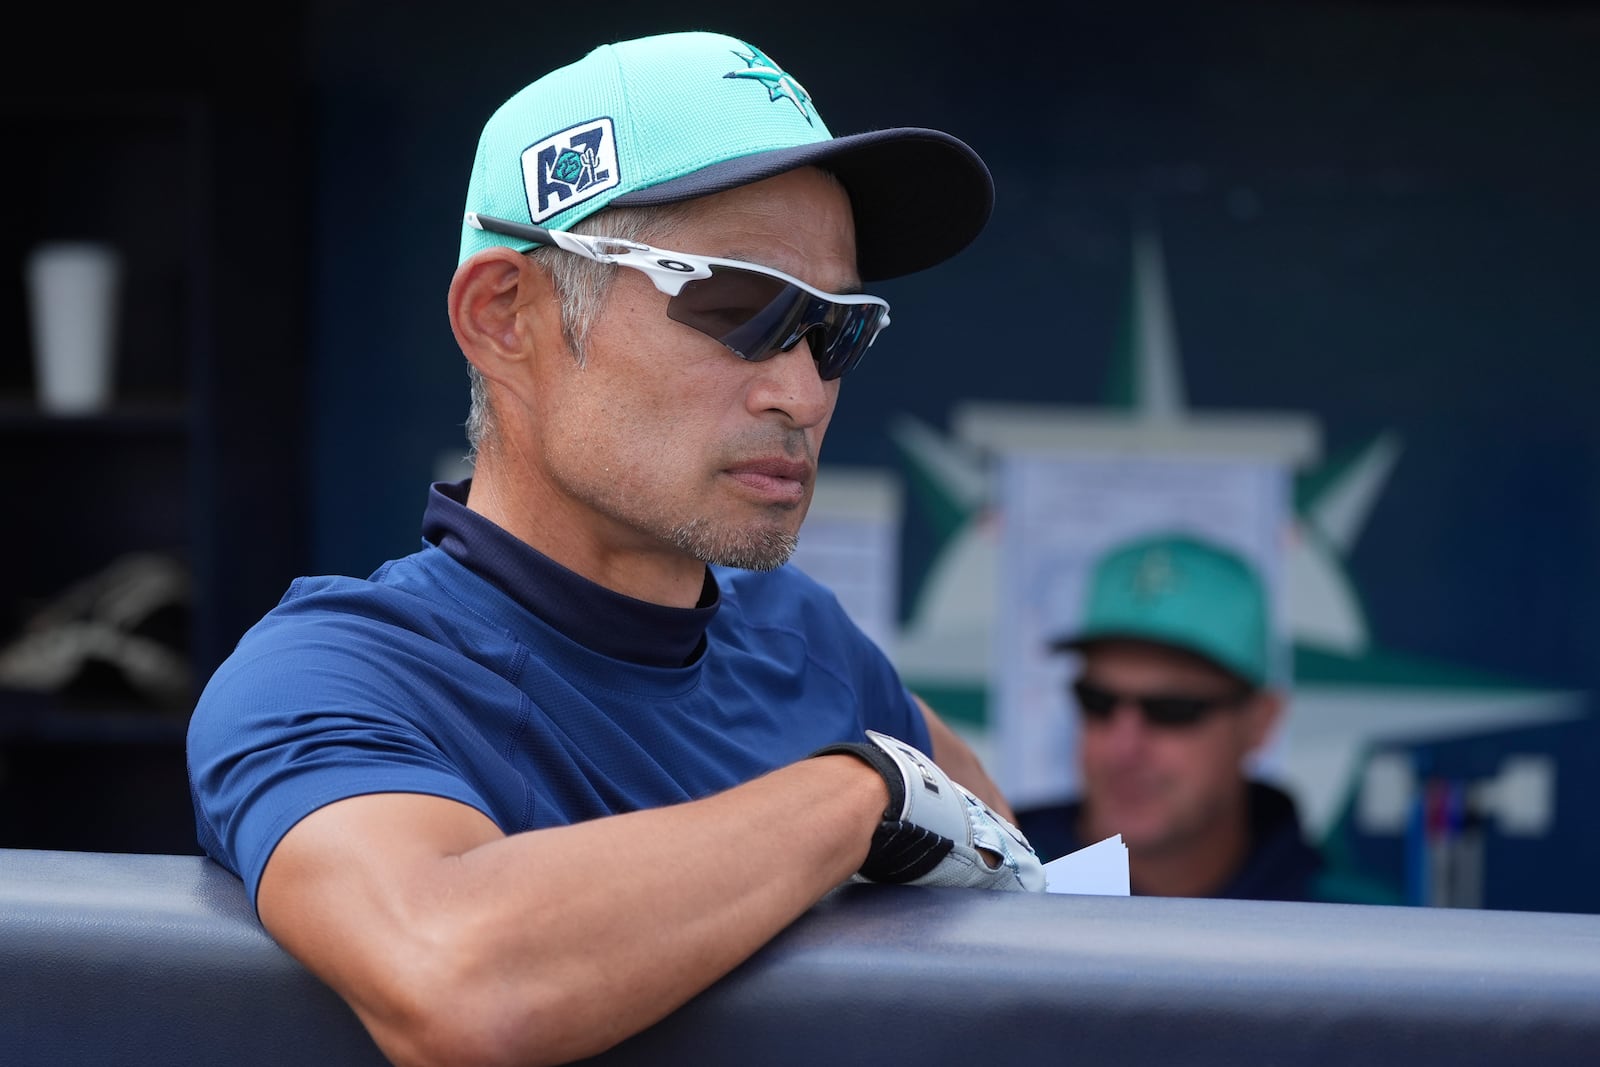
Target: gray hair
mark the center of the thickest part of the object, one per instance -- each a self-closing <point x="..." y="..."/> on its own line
<point x="581" y="286"/>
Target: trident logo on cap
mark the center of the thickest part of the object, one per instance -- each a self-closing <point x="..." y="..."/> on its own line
<point x="780" y="86"/>
<point x="1157" y="575"/>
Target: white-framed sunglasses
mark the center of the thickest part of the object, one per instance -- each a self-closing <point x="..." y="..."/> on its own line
<point x="754" y="311"/>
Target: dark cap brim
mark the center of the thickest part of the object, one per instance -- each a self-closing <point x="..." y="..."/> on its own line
<point x="919" y="196"/>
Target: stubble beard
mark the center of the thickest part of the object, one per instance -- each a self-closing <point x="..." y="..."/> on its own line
<point x="761" y="545"/>
<point x="760" y="549"/>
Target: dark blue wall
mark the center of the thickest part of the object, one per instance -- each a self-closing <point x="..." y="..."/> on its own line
<point x="1381" y="214"/>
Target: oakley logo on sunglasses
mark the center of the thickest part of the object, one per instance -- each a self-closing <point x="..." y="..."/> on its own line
<point x="753" y="311"/>
<point x="1099" y="704"/>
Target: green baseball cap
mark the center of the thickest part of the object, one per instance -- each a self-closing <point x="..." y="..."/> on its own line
<point x="1176" y="589"/>
<point x="671" y="117"/>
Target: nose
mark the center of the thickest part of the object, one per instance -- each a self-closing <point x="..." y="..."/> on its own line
<point x="791" y="383"/>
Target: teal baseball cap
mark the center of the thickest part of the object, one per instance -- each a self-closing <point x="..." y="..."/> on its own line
<point x="662" y="119"/>
<point x="1179" y="590"/>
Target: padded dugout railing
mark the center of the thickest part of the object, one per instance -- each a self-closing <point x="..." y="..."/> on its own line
<point x="125" y="958"/>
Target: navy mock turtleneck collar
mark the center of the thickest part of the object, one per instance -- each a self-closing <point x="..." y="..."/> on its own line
<point x="596" y="617"/>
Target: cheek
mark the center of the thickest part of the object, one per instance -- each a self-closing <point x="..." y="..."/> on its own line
<point x="1099" y="750"/>
<point x="1213" y="761"/>
<point x="821" y="428"/>
<point x="636" y="428"/>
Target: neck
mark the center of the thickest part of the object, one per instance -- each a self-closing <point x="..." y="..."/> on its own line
<point x="513" y="497"/>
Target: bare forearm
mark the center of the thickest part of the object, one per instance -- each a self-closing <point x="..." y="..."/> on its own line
<point x="555" y="944"/>
<point x="687" y="893"/>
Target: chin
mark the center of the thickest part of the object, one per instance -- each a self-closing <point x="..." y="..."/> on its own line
<point x="756" y="551"/>
<point x="1139" y="829"/>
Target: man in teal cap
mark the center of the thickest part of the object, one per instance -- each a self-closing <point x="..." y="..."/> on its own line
<point x="521" y="793"/>
<point x="1174" y="692"/>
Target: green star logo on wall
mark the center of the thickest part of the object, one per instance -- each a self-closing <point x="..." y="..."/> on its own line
<point x="779" y="85"/>
<point x="1352" y="695"/>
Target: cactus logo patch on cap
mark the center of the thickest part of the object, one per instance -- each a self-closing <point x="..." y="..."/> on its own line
<point x="570" y="167"/>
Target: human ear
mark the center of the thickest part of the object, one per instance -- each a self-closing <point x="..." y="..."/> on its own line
<point x="500" y="305"/>
<point x="1263" y="713"/>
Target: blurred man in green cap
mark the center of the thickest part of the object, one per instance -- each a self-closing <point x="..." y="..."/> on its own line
<point x="1174" y="693"/>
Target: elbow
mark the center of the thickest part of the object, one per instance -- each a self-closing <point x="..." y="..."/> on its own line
<point x="448" y="1009"/>
<point x="459" y="1030"/>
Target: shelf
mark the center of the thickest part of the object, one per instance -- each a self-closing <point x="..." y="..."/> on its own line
<point x="92" y="780"/>
<point x="156" y="418"/>
<point x="206" y="193"/>
<point x="40" y="717"/>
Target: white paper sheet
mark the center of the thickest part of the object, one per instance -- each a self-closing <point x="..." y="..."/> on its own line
<point x="1100" y="869"/>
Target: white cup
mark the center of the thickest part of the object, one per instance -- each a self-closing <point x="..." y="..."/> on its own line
<point x="73" y="291"/>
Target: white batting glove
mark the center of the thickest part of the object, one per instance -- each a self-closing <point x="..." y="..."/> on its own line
<point x="934" y="827"/>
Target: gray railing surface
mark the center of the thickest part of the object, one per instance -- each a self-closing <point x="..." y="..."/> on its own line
<point x="113" y="958"/>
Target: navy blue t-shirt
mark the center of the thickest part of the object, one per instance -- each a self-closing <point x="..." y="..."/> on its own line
<point x="480" y="670"/>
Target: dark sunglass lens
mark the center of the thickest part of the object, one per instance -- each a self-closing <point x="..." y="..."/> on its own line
<point x="744" y="310"/>
<point x="747" y="311"/>
<point x="1176" y="711"/>
<point x="1094" y="702"/>
<point x="757" y="316"/>
<point x="849" y="330"/>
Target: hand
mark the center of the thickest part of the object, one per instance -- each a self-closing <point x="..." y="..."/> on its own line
<point x="935" y="831"/>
